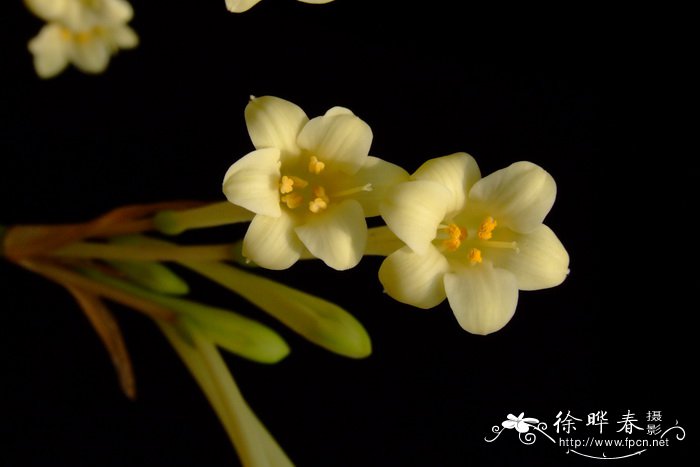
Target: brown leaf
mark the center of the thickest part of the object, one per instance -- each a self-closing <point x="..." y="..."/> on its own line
<point x="108" y="329"/>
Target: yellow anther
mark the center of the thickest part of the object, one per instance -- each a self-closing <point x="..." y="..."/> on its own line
<point x="299" y="182"/>
<point x="315" y="165"/>
<point x="320" y="192"/>
<point x="456" y="235"/>
<point x="292" y="200"/>
<point x="486" y="228"/>
<point x="317" y="205"/>
<point x="475" y="256"/>
<point x="286" y="185"/>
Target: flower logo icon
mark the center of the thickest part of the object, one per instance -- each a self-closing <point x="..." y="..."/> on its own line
<point x="520" y="423"/>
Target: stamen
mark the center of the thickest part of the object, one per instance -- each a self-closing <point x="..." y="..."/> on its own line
<point x="475" y="256"/>
<point x="352" y="191"/>
<point x="292" y="200"/>
<point x="317" y="205"/>
<point x="320" y="192"/>
<point x="486" y="228"/>
<point x="456" y="235"/>
<point x="315" y="165"/>
<point x="299" y="182"/>
<point x="289" y="182"/>
<point x="286" y="185"/>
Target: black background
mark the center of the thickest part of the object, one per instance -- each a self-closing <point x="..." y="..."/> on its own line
<point x="166" y="121"/>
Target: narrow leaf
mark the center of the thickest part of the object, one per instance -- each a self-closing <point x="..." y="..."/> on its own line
<point x="255" y="446"/>
<point x="107" y="328"/>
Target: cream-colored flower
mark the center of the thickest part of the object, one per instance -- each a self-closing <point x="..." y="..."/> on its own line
<point x="310" y="183"/>
<point x="83" y="32"/>
<point x="239" y="6"/>
<point x="475" y="241"/>
<point x="82" y="15"/>
<point x="56" y="46"/>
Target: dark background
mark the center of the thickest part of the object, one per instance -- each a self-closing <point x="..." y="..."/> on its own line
<point x="165" y="122"/>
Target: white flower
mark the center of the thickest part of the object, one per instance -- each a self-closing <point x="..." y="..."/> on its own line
<point x="56" y="46"/>
<point x="521" y="425"/>
<point x="475" y="241"/>
<point x="310" y="183"/>
<point x="83" y="32"/>
<point x="82" y="15"/>
<point x="239" y="6"/>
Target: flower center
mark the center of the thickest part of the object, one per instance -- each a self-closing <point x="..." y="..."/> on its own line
<point x="311" y="190"/>
<point x="82" y="37"/>
<point x="453" y="237"/>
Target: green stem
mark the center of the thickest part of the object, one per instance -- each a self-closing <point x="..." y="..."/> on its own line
<point x="146" y="253"/>
<point x="238" y="334"/>
<point x="213" y="215"/>
<point x="255" y="446"/>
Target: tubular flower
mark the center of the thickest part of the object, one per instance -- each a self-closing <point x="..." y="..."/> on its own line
<point x="239" y="6"/>
<point x="473" y="240"/>
<point x="83" y="32"/>
<point x="311" y="183"/>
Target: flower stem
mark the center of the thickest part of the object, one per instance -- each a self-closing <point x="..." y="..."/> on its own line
<point x="69" y="279"/>
<point x="146" y="253"/>
<point x="212" y="215"/>
<point x="255" y="446"/>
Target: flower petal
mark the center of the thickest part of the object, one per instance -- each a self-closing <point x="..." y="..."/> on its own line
<point x="521" y="427"/>
<point x="271" y="242"/>
<point x="49" y="50"/>
<point x="275" y="123"/>
<point x="252" y="182"/>
<point x="380" y="175"/>
<point x="508" y="424"/>
<point x="519" y="196"/>
<point x="117" y="11"/>
<point x="47" y="10"/>
<point x="316" y="2"/>
<point x="415" y="279"/>
<point x="125" y="37"/>
<point x="239" y="6"/>
<point x="337" y="236"/>
<point x="413" y="210"/>
<point x="340" y="138"/>
<point x="90" y="56"/>
<point x="483" y="298"/>
<point x="338" y="110"/>
<point x="541" y="261"/>
<point x="457" y="172"/>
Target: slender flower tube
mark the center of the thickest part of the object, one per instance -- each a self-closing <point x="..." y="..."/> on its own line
<point x="473" y="240"/>
<point x="310" y="183"/>
<point x="239" y="6"/>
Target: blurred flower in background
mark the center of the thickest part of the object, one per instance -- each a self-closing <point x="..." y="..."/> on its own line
<point x="239" y="6"/>
<point x="85" y="33"/>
